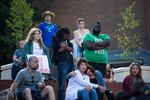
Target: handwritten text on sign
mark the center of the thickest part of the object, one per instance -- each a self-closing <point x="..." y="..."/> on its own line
<point x="43" y="63"/>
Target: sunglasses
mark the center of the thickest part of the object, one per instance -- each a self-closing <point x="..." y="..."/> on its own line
<point x="135" y="63"/>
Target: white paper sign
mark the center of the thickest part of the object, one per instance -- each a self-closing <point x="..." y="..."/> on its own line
<point x="43" y="63"/>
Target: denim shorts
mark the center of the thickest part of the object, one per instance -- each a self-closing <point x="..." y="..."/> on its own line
<point x="36" y="95"/>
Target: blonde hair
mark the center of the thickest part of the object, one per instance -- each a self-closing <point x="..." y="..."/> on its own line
<point x="30" y="36"/>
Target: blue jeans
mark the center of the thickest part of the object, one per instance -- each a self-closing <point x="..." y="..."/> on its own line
<point x="87" y="95"/>
<point x="14" y="71"/>
<point x="79" y="52"/>
<point x="99" y="78"/>
<point x="64" y="68"/>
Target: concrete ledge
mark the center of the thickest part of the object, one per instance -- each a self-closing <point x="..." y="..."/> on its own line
<point x="121" y="73"/>
<point x="113" y="86"/>
<point x="6" y="71"/>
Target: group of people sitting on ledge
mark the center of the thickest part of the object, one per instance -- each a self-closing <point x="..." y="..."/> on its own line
<point x="84" y="83"/>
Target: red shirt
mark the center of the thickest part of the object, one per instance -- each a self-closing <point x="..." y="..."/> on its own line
<point x="128" y="85"/>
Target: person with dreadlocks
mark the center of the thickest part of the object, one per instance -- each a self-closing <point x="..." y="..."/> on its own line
<point x="63" y="58"/>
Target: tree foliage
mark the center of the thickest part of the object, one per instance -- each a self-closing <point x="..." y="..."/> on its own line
<point x="127" y="35"/>
<point x="15" y="21"/>
<point x="4" y="13"/>
<point x="21" y="19"/>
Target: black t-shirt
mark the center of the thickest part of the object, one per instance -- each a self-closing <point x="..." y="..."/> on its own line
<point x="61" y="56"/>
<point x="93" y="80"/>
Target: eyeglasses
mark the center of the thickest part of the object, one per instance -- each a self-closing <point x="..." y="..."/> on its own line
<point x="32" y="77"/>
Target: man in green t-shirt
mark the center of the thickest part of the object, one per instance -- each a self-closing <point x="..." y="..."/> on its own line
<point x="95" y="48"/>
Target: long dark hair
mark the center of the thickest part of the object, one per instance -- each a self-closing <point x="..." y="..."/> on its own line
<point x="89" y="67"/>
<point x="60" y="33"/>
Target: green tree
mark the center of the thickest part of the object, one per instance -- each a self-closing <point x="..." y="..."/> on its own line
<point x="4" y="13"/>
<point x="127" y="36"/>
<point x="15" y="21"/>
<point x="4" y="37"/>
<point x="21" y="19"/>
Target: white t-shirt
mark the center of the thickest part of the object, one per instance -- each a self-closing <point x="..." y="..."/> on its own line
<point x="36" y="49"/>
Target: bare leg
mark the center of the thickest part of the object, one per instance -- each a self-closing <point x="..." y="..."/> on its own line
<point x="27" y="94"/>
<point x="10" y="95"/>
<point x="48" y="91"/>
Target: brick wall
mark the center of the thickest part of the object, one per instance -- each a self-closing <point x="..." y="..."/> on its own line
<point x="106" y="11"/>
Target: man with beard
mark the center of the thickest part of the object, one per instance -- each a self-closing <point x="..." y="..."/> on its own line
<point x="95" y="48"/>
<point x="29" y="83"/>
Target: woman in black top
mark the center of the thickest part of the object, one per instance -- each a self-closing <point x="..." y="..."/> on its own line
<point x="63" y="58"/>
